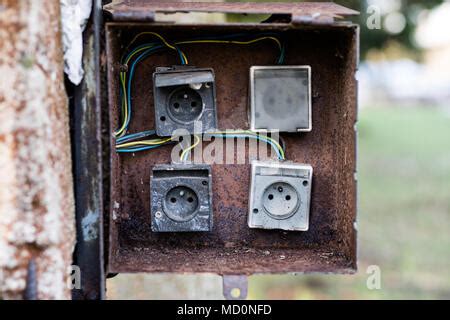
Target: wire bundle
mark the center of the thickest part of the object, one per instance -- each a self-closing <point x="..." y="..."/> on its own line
<point x="126" y="143"/>
<point x="130" y="142"/>
<point x="141" y="52"/>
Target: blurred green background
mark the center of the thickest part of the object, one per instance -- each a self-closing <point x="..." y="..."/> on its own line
<point x="403" y="171"/>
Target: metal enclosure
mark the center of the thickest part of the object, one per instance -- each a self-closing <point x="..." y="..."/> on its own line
<point x="312" y="38"/>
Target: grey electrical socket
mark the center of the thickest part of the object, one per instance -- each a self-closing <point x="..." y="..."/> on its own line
<point x="182" y="96"/>
<point x="280" y="98"/>
<point x="181" y="198"/>
<point x="280" y="195"/>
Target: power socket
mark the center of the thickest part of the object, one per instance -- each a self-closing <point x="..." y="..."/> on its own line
<point x="280" y="194"/>
<point x="181" y="198"/>
<point x="280" y="98"/>
<point x="182" y="96"/>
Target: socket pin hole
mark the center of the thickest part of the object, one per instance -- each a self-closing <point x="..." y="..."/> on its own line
<point x="270" y="196"/>
<point x="190" y="199"/>
<point x="173" y="200"/>
<point x="176" y="105"/>
<point x="162" y="118"/>
<point x="280" y="189"/>
<point x="193" y="104"/>
<point x="288" y="197"/>
<point x="305" y="183"/>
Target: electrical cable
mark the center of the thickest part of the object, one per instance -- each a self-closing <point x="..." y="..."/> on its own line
<point x="147" y="49"/>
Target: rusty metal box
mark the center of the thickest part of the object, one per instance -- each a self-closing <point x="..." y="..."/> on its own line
<point x="314" y="37"/>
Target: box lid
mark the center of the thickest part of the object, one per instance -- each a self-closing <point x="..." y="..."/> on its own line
<point x="300" y="13"/>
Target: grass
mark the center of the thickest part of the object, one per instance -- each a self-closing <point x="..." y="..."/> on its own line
<point x="404" y="213"/>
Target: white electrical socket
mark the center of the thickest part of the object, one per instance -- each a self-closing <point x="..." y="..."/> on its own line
<point x="280" y="195"/>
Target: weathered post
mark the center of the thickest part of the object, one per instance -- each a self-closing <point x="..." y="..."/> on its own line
<point x="36" y="194"/>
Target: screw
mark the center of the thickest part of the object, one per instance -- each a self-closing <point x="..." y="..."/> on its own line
<point x="158" y="214"/>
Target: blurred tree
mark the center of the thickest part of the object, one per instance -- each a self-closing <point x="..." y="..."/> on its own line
<point x="399" y="20"/>
<point x="379" y="38"/>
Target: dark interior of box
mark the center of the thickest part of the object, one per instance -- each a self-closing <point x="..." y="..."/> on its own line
<point x="232" y="248"/>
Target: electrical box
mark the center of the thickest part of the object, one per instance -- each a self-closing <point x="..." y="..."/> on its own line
<point x="292" y="75"/>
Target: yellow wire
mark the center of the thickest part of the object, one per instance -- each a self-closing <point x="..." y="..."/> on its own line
<point x="125" y="108"/>
<point x="185" y="151"/>
<point x="232" y="41"/>
<point x="167" y="44"/>
<point x="123" y="74"/>
<point x="254" y="134"/>
<point x="143" y="142"/>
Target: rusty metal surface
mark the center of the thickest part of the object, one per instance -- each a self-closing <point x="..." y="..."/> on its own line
<point x="303" y="12"/>
<point x="233" y="248"/>
<point x="87" y="166"/>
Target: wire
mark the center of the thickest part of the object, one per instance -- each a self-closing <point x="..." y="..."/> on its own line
<point x="164" y="41"/>
<point x="134" y="136"/>
<point x="143" y="51"/>
<point x="137" y="149"/>
<point x="125" y="143"/>
<point x="186" y="151"/>
<point x="237" y="42"/>
<point x="252" y="135"/>
<point x="143" y="142"/>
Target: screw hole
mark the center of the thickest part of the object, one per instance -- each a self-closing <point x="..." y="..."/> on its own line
<point x="305" y="183"/>
<point x="288" y="197"/>
<point x="173" y="200"/>
<point x="255" y="210"/>
<point x="270" y="196"/>
<point x="162" y="118"/>
<point x="190" y="199"/>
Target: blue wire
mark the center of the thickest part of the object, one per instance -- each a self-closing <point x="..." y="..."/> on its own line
<point x="143" y="55"/>
<point x="123" y="150"/>
<point x="248" y="136"/>
<point x="135" y="135"/>
<point x="149" y="51"/>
